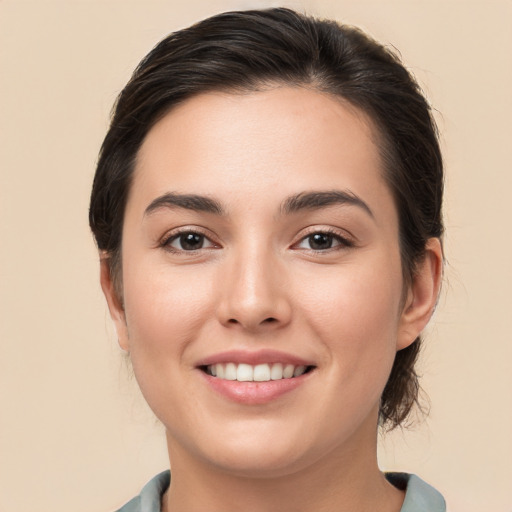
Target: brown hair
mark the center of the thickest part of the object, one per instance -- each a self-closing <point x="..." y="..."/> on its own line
<point x="248" y="50"/>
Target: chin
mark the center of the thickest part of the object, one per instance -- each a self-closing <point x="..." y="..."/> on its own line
<point x="265" y="449"/>
<point x="262" y="463"/>
<point x="254" y="449"/>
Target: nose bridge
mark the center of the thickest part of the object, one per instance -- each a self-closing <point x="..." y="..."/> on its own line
<point x="254" y="293"/>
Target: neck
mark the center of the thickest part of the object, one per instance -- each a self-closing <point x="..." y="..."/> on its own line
<point x="342" y="483"/>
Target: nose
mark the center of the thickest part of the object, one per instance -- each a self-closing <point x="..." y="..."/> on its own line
<point x="254" y="295"/>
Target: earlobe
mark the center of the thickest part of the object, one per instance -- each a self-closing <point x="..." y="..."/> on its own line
<point x="115" y="306"/>
<point x="422" y="295"/>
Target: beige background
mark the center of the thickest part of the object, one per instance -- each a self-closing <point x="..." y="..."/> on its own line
<point x="74" y="433"/>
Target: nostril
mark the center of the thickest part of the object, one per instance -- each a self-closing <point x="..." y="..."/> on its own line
<point x="269" y="320"/>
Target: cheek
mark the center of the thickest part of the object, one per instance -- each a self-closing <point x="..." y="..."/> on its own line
<point x="164" y="308"/>
<point x="355" y="311"/>
<point x="165" y="312"/>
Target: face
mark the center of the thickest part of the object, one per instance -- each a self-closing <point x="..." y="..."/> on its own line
<point x="262" y="282"/>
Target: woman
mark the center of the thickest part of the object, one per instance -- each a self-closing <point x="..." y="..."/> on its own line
<point x="267" y="207"/>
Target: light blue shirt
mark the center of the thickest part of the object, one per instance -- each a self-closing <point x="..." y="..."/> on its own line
<point x="419" y="496"/>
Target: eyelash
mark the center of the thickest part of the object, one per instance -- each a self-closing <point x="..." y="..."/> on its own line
<point x="167" y="240"/>
<point x="342" y="242"/>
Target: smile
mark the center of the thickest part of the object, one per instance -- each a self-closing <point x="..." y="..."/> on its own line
<point x="255" y="378"/>
<point x="255" y="373"/>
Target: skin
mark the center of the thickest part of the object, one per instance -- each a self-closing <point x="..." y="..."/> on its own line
<point x="259" y="283"/>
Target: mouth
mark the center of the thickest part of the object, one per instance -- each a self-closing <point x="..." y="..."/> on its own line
<point x="253" y="378"/>
<point x="264" y="372"/>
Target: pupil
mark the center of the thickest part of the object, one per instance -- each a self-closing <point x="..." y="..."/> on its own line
<point x="320" y="241"/>
<point x="191" y="241"/>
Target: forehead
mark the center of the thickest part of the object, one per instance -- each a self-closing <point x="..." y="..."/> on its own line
<point x="268" y="144"/>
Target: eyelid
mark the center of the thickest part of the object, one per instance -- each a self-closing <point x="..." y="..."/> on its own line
<point x="345" y="239"/>
<point x="174" y="233"/>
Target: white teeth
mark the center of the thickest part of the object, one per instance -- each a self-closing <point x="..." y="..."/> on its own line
<point x="299" y="370"/>
<point x="244" y="373"/>
<point x="288" y="371"/>
<point x="259" y="373"/>
<point x="230" y="372"/>
<point x="276" y="373"/>
<point x="262" y="373"/>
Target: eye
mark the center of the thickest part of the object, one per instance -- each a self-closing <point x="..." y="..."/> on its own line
<point x="187" y="241"/>
<point x="322" y="241"/>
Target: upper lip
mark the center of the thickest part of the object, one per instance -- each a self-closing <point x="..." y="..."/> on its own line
<point x="253" y="358"/>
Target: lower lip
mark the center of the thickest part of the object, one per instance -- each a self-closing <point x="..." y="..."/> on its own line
<point x="254" y="393"/>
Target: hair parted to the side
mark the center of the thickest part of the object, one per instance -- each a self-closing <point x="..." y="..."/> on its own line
<point x="253" y="50"/>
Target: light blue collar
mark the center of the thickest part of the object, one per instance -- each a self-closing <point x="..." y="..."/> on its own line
<point x="419" y="496"/>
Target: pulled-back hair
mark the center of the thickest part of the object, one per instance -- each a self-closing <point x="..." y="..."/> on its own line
<point x="252" y="50"/>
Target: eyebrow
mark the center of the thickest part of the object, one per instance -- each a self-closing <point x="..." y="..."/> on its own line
<point x="302" y="201"/>
<point x="187" y="201"/>
<point x="315" y="200"/>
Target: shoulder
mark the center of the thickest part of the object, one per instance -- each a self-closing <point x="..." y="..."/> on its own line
<point x="150" y="496"/>
<point x="419" y="496"/>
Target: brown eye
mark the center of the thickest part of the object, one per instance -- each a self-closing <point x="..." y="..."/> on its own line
<point x="188" y="241"/>
<point x="323" y="241"/>
<point x="320" y="241"/>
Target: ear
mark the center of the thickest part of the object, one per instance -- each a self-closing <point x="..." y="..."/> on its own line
<point x="422" y="294"/>
<point x="115" y="305"/>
